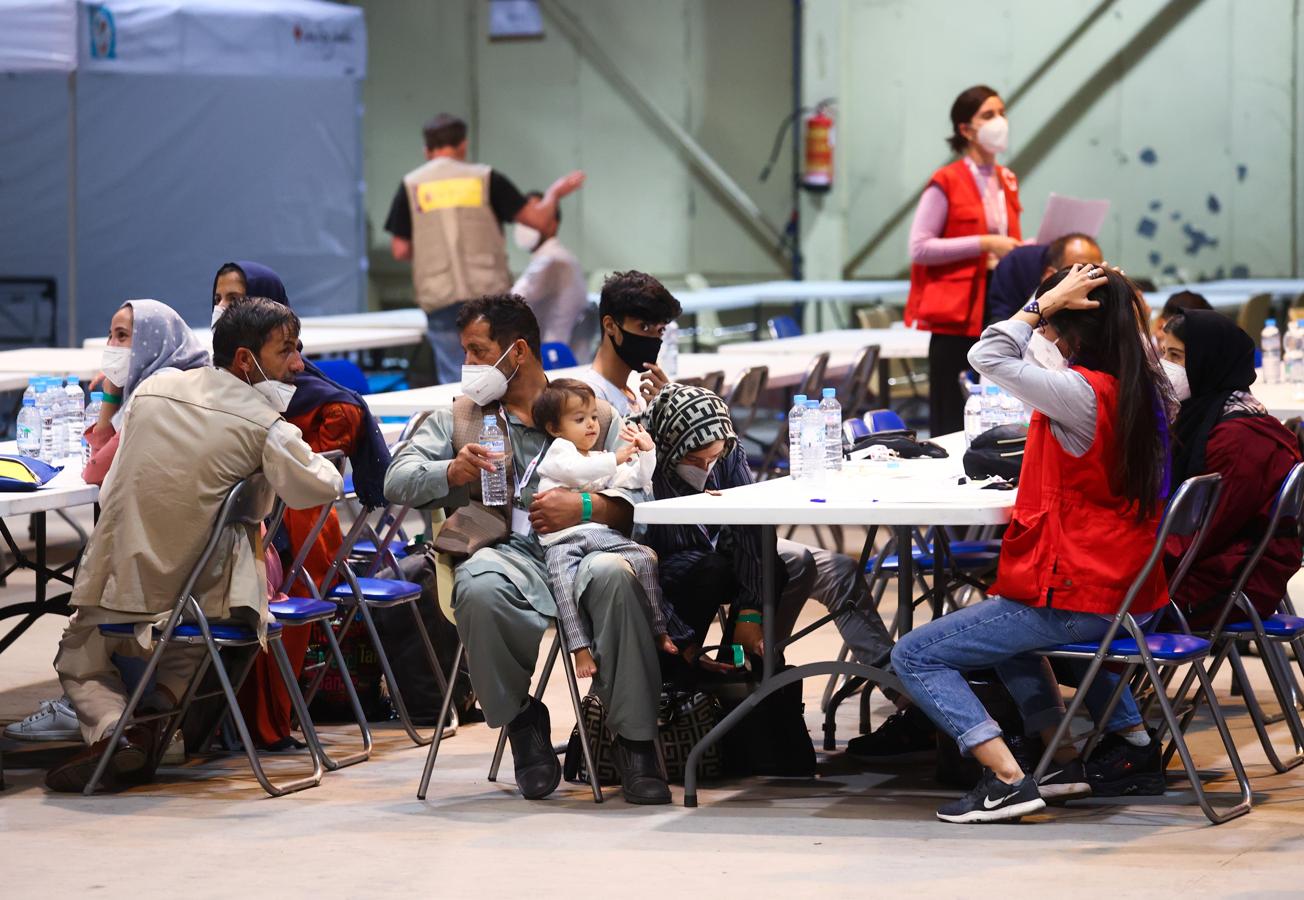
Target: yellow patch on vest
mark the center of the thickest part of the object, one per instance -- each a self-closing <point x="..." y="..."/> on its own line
<point x="450" y="193"/>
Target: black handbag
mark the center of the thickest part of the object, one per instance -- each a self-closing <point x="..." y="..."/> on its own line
<point x="997" y="451"/>
<point x="900" y="440"/>
<point x="683" y="719"/>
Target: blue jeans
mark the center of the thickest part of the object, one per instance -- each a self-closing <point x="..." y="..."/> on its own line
<point x="999" y="633"/>
<point x="446" y="342"/>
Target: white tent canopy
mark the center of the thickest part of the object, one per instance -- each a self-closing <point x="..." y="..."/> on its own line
<point x="144" y="142"/>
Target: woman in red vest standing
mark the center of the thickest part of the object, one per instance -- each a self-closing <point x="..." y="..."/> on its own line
<point x="967" y="219"/>
<point x="1090" y="499"/>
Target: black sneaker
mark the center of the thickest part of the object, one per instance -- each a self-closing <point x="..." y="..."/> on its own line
<point x="1064" y="781"/>
<point x="904" y="736"/>
<point x="1119" y="769"/>
<point x="992" y="800"/>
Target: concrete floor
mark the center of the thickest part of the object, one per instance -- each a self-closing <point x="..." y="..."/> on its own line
<point x="363" y="833"/>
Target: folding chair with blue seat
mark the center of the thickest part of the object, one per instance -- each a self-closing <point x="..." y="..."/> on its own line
<point x="344" y="372"/>
<point x="557" y="355"/>
<point x="784" y="327"/>
<point x="557" y="649"/>
<point x="1268" y="633"/>
<point x="304" y="611"/>
<point x="389" y="519"/>
<point x="1145" y="649"/>
<point x="245" y="505"/>
<point x="359" y="596"/>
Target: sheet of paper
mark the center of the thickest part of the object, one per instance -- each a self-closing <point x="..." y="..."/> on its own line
<point x="1065" y="215"/>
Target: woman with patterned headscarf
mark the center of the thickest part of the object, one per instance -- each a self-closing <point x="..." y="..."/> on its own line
<point x="145" y="336"/>
<point x="701" y="565"/>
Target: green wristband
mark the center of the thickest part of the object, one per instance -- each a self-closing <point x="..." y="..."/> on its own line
<point x="754" y="618"/>
<point x="110" y="398"/>
<point x="738" y="658"/>
<point x="586" y="508"/>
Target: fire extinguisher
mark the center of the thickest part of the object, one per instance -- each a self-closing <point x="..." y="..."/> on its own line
<point x="817" y="169"/>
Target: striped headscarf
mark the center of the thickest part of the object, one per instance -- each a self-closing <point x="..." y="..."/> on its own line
<point x="682" y="419"/>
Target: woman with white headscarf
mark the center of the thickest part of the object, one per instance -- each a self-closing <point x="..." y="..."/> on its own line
<point x="145" y="336"/>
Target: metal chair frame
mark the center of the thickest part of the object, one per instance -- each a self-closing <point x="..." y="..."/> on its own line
<point x="245" y="505"/>
<point x="1188" y="514"/>
<point x="1287" y="507"/>
<point x="556" y="649"/>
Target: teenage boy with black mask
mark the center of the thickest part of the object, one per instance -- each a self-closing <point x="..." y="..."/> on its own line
<point x="634" y="310"/>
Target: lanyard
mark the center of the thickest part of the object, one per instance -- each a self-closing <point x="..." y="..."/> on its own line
<point x="524" y="478"/>
<point x="992" y="205"/>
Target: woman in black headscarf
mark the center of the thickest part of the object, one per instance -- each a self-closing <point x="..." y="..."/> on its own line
<point x="1222" y="428"/>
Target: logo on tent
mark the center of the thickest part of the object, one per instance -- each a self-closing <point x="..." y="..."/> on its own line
<point x="104" y="34"/>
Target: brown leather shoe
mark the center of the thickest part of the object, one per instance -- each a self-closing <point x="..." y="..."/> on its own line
<point x="133" y="762"/>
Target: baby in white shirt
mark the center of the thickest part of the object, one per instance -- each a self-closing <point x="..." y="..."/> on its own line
<point x="568" y="411"/>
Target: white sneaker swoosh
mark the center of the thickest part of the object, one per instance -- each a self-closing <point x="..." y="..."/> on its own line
<point x="988" y="803"/>
<point x="1049" y="775"/>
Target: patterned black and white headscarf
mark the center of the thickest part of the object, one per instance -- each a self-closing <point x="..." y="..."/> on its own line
<point x="682" y="419"/>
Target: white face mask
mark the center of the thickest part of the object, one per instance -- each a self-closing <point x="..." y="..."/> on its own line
<point x="526" y="238"/>
<point x="693" y="476"/>
<point x="485" y="384"/>
<point x="1177" y="378"/>
<point x="1042" y="351"/>
<point x="277" y="393"/>
<point x="217" y="314"/>
<point x="115" y="363"/>
<point x="994" y="135"/>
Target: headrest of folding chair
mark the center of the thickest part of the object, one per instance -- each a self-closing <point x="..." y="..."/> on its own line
<point x="249" y="502"/>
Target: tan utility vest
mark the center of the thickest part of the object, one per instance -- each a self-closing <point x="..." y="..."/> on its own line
<point x="190" y="437"/>
<point x="458" y="251"/>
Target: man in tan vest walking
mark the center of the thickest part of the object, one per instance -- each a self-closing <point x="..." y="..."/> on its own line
<point x="187" y="439"/>
<point x="447" y="218"/>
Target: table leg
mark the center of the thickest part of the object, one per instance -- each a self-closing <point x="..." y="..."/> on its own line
<point x="905" y="548"/>
<point x="42" y="605"/>
<point x="884" y="383"/>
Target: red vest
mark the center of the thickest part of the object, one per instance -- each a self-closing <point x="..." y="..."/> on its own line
<point x="948" y="299"/>
<point x="1074" y="542"/>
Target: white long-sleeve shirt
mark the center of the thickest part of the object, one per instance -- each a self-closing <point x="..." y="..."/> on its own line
<point x="564" y="466"/>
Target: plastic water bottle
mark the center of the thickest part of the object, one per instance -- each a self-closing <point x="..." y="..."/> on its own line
<point x="812" y="443"/>
<point x="74" y="412"/>
<point x="32" y="382"/>
<point x="29" y="429"/>
<point x="45" y="408"/>
<point x="989" y="414"/>
<point x="90" y="416"/>
<point x="794" y="435"/>
<point x="1293" y="355"/>
<point x="493" y="485"/>
<point x="669" y="360"/>
<point x="1011" y="409"/>
<point x="831" y="412"/>
<point x="1270" y="341"/>
<point x="973" y="425"/>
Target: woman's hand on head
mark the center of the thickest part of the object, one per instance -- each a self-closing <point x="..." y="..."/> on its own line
<point x="1072" y="291"/>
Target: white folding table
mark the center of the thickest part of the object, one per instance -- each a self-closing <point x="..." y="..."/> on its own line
<point x="79" y="361"/>
<point x="65" y="491"/>
<point x="319" y="340"/>
<point x="899" y="496"/>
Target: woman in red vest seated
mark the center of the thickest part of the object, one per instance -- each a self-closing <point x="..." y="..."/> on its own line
<point x="1223" y="428"/>
<point x="967" y="219"/>
<point x="1090" y="500"/>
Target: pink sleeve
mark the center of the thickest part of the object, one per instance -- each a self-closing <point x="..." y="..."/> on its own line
<point x="926" y="248"/>
<point x="98" y="465"/>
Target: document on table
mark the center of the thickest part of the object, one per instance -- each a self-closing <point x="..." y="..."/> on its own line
<point x="1066" y="215"/>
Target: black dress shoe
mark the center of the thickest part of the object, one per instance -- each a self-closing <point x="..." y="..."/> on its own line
<point x="538" y="771"/>
<point x="641" y="778"/>
<point x="133" y="762"/>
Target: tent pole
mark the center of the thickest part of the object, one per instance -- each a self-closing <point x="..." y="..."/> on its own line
<point x="72" y="209"/>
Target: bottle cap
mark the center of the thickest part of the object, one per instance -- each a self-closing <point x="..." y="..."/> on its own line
<point x="97" y="395"/>
<point x="491" y="420"/>
<point x="975" y="388"/>
<point x="799" y="400"/>
<point x="811" y="404"/>
<point x="73" y="379"/>
<point x="1269" y="323"/>
<point x="829" y="393"/>
<point x="992" y="390"/>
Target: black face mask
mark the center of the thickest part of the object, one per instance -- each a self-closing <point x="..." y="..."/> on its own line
<point x="636" y="349"/>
